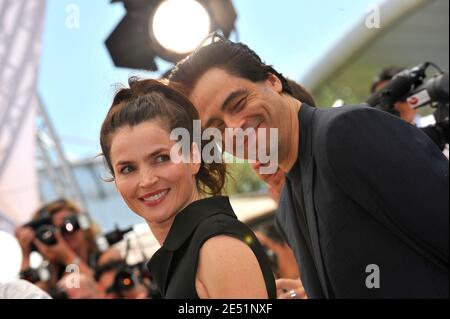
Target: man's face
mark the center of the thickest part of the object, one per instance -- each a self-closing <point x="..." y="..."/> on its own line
<point x="228" y="101"/>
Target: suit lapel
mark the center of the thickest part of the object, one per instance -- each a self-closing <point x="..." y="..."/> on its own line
<point x="307" y="180"/>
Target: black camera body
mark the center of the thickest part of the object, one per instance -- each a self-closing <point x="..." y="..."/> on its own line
<point x="45" y="229"/>
<point x="35" y="275"/>
<point x="113" y="237"/>
<point x="410" y="86"/>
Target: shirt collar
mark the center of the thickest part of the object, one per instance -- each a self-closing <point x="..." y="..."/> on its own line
<point x="191" y="216"/>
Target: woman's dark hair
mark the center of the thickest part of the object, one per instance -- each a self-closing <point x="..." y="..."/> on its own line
<point x="236" y="59"/>
<point x="149" y="99"/>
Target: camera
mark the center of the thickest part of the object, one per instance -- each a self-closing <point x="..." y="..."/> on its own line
<point x="45" y="229"/>
<point x="410" y="86"/>
<point x="124" y="280"/>
<point x="111" y="238"/>
<point x="35" y="275"/>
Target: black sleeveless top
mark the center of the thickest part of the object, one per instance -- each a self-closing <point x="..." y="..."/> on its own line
<point x="174" y="265"/>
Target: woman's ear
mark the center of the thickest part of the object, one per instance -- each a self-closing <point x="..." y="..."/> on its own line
<point x="274" y="82"/>
<point x="196" y="158"/>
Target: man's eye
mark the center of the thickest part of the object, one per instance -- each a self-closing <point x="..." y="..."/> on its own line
<point x="239" y="106"/>
<point x="126" y="169"/>
<point x="162" y="158"/>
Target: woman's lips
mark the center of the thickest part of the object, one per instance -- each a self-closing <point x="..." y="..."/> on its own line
<point x="154" y="198"/>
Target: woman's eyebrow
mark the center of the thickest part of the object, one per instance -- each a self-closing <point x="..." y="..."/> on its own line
<point x="149" y="156"/>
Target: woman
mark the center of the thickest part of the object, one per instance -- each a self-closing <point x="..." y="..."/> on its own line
<point x="205" y="251"/>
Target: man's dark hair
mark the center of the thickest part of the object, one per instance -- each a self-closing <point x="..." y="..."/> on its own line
<point x="385" y="75"/>
<point x="236" y="59"/>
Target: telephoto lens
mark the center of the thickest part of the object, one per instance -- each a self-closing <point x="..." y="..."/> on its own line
<point x="75" y="222"/>
<point x="124" y="280"/>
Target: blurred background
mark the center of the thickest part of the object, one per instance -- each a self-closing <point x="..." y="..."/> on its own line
<point x="62" y="60"/>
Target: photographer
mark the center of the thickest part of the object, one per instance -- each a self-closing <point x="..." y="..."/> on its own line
<point x="117" y="280"/>
<point x="401" y="92"/>
<point x="65" y="243"/>
<point x="403" y="109"/>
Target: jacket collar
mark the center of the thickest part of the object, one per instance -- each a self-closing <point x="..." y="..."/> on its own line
<point x="305" y="116"/>
<point x="303" y="172"/>
<point x="191" y="216"/>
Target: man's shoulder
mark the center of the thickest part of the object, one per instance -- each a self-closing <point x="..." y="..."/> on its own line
<point x="340" y="133"/>
<point x="326" y="116"/>
<point x="342" y="122"/>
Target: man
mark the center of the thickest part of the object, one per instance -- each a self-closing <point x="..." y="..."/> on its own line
<point x="365" y="202"/>
<point x="111" y="274"/>
<point x="404" y="110"/>
<point x="409" y="114"/>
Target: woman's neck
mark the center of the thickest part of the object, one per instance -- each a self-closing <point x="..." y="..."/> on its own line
<point x="161" y="230"/>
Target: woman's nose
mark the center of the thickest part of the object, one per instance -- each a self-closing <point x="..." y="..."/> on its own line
<point x="148" y="178"/>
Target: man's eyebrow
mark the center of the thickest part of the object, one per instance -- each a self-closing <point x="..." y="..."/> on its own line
<point x="231" y="97"/>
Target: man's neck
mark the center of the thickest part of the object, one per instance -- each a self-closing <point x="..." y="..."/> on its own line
<point x="289" y="153"/>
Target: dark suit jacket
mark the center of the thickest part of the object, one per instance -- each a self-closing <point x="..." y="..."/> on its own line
<point x="375" y="192"/>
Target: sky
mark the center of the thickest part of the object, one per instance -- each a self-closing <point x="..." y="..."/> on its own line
<point x="77" y="78"/>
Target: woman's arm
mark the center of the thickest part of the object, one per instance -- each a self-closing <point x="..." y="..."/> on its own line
<point x="228" y="269"/>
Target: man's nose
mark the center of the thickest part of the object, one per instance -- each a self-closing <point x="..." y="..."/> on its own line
<point x="232" y="121"/>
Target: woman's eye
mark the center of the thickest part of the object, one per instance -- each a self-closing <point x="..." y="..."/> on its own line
<point x="162" y="158"/>
<point x="126" y="169"/>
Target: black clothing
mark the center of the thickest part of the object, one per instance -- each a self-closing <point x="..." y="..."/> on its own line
<point x="367" y="189"/>
<point x="174" y="265"/>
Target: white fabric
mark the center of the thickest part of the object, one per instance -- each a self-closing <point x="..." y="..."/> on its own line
<point x="21" y="289"/>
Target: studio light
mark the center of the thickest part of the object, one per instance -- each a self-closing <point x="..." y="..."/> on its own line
<point x="179" y="25"/>
<point x="169" y="29"/>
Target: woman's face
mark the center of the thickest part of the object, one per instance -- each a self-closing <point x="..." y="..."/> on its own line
<point x="151" y="184"/>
